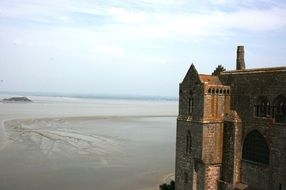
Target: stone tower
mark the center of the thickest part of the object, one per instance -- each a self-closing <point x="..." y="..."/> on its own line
<point x="203" y="103"/>
<point x="240" y="64"/>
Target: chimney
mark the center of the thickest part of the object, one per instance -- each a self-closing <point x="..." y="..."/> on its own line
<point x="240" y="64"/>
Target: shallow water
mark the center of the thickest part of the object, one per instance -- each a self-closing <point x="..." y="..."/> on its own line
<point x="94" y="152"/>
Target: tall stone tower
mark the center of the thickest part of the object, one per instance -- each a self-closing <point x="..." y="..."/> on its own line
<point x="203" y="103"/>
<point x="240" y="64"/>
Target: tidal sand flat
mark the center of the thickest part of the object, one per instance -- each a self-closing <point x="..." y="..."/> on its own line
<point x="86" y="144"/>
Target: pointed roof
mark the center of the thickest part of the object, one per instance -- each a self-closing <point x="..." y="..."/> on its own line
<point x="192" y="74"/>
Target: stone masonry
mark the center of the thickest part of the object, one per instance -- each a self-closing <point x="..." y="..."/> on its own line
<point x="231" y="129"/>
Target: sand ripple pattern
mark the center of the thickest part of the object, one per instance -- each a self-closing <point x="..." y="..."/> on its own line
<point x="54" y="136"/>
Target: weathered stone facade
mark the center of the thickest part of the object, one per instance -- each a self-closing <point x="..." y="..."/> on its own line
<point x="231" y="129"/>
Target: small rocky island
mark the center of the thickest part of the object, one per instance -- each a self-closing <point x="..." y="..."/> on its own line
<point x="17" y="99"/>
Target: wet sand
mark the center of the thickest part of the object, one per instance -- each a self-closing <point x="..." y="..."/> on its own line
<point x="60" y="143"/>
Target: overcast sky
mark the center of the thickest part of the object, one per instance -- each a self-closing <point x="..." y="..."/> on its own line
<point x="132" y="47"/>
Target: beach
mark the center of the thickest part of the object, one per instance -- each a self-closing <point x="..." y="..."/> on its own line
<point x="72" y="143"/>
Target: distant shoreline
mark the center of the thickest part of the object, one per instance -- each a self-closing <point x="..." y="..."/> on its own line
<point x="92" y="96"/>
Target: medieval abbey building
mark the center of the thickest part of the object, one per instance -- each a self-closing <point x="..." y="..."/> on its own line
<point x="231" y="129"/>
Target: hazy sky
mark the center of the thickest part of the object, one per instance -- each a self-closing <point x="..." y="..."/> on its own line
<point x="133" y="47"/>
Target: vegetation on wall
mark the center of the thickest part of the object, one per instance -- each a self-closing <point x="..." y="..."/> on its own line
<point x="170" y="186"/>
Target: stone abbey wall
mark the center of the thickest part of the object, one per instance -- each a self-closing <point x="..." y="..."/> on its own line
<point x="247" y="87"/>
<point x="216" y="115"/>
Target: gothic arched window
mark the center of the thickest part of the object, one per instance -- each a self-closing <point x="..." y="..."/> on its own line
<point x="280" y="109"/>
<point x="191" y="105"/>
<point x="188" y="143"/>
<point x="255" y="148"/>
<point x="262" y="107"/>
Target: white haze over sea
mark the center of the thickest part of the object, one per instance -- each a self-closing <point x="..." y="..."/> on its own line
<point x="70" y="143"/>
